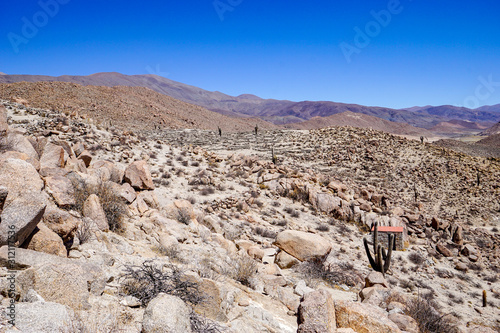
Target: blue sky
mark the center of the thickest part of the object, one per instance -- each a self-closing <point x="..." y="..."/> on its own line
<point x="386" y="53"/>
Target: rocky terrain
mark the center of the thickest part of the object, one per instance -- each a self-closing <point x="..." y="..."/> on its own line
<point x="272" y="110"/>
<point x="134" y="108"/>
<point x="164" y="230"/>
<point x="360" y="120"/>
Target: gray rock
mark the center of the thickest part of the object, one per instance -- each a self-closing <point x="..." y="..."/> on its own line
<point x="138" y="175"/>
<point x="317" y="313"/>
<point x="168" y="314"/>
<point x="57" y="279"/>
<point x="42" y="317"/>
<point x="20" y="178"/>
<point x="20" y="218"/>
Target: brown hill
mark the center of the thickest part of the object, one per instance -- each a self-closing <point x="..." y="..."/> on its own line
<point x="361" y="121"/>
<point x="495" y="129"/>
<point x="492" y="140"/>
<point x="457" y="126"/>
<point x="276" y="111"/>
<point x="135" y="108"/>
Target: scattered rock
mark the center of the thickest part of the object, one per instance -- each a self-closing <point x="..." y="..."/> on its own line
<point x="138" y="175"/>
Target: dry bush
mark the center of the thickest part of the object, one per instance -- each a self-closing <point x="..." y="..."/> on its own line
<point x="148" y="280"/>
<point x="416" y="258"/>
<point x="428" y="318"/>
<point x="183" y="216"/>
<point x="265" y="232"/>
<point x="113" y="205"/>
<point x="323" y="227"/>
<point x="200" y="324"/>
<point x="84" y="231"/>
<point x="207" y="191"/>
<point x="243" y="268"/>
<point x="332" y="274"/>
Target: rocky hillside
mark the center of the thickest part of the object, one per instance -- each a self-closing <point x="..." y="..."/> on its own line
<point x="275" y="111"/>
<point x="362" y="121"/>
<point x="134" y="108"/>
<point x="187" y="231"/>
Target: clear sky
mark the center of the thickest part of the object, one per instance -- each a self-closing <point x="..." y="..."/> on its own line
<point x="386" y="53"/>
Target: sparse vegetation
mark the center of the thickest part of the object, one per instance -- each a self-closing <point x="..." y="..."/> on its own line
<point x="428" y="318"/>
<point x="149" y="279"/>
<point x="113" y="205"/>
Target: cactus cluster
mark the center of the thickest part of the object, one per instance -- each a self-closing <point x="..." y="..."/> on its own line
<point x="380" y="261"/>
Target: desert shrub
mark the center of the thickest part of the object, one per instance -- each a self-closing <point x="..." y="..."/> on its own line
<point x="183" y="216"/>
<point x="258" y="203"/>
<point x="416" y="258"/>
<point x="192" y="200"/>
<point x="113" y="205"/>
<point x="492" y="278"/>
<point x="207" y="191"/>
<point x="195" y="163"/>
<point x="149" y="279"/>
<point x="84" y="231"/>
<point x="280" y="223"/>
<point x="200" y="324"/>
<point x="316" y="268"/>
<point x="265" y="232"/>
<point x="243" y="269"/>
<point x="429" y="320"/>
<point x="323" y="227"/>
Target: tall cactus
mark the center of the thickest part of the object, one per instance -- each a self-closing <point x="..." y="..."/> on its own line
<point x="380" y="261"/>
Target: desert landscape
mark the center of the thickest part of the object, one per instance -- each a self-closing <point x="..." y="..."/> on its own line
<point x="126" y="210"/>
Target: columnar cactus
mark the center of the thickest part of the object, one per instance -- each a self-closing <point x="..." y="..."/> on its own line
<point x="380" y="261"/>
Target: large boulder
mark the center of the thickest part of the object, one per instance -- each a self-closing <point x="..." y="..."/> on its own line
<point x="61" y="222"/>
<point x="20" y="178"/>
<point x="20" y="217"/>
<point x="317" y="313"/>
<point x="57" y="279"/>
<point x="42" y="317"/>
<point x="21" y="144"/>
<point x="92" y="209"/>
<point x="20" y="156"/>
<point x="116" y="173"/>
<point x="363" y="318"/>
<point x="302" y="245"/>
<point x="61" y="190"/>
<point x="53" y="156"/>
<point x="167" y="314"/>
<point x="45" y="240"/>
<point x="138" y="175"/>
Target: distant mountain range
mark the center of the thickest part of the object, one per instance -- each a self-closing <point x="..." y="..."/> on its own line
<point x="277" y="111"/>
